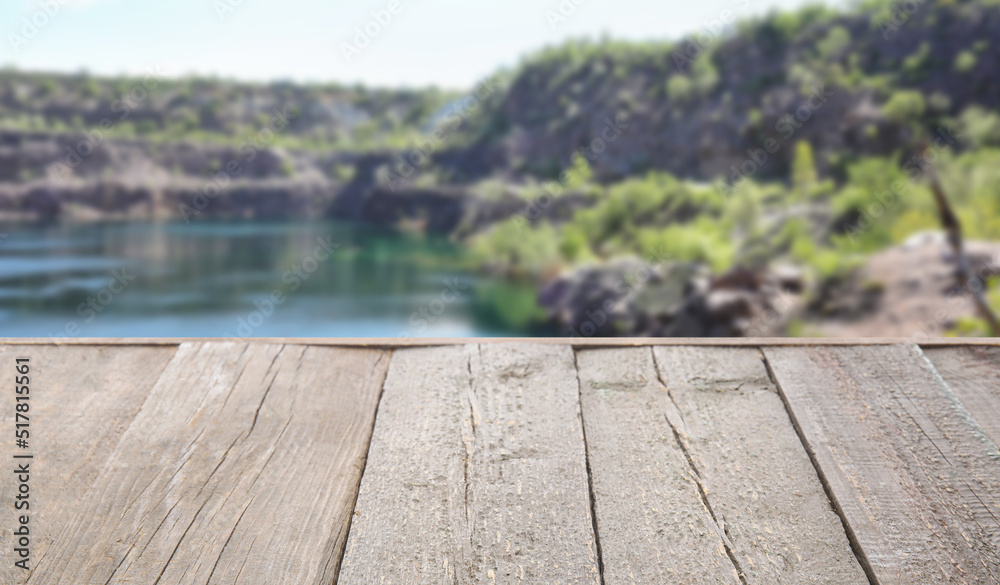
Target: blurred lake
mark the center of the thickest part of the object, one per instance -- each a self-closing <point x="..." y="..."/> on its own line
<point x="238" y="279"/>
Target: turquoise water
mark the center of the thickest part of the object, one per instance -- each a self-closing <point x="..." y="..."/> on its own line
<point x="238" y="279"/>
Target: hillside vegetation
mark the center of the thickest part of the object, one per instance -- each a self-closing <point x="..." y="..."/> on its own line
<point x="799" y="139"/>
<point x="851" y="84"/>
<point x="154" y="107"/>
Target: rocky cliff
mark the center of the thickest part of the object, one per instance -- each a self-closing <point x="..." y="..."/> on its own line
<point x="730" y="104"/>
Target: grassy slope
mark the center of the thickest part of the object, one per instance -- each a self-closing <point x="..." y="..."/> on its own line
<point x="211" y="110"/>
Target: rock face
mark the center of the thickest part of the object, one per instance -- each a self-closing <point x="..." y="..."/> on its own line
<point x="442" y="210"/>
<point x="732" y="107"/>
<point x="45" y="176"/>
<point x="704" y="109"/>
<point x="628" y="297"/>
<point x="905" y="291"/>
<point x="42" y="178"/>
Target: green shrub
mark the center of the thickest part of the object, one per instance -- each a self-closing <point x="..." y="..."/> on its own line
<point x="979" y="127"/>
<point x="804" y="177"/>
<point x="905" y="106"/>
<point x="518" y="250"/>
<point x="834" y="43"/>
<point x="344" y="172"/>
<point x="578" y="174"/>
<point x="965" y="62"/>
<point x="703" y="240"/>
<point x="914" y="64"/>
<point x="704" y="74"/>
<point x="680" y="88"/>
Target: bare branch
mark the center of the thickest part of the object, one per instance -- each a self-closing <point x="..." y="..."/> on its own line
<point x="952" y="226"/>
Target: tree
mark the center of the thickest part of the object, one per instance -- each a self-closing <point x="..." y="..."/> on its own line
<point x="579" y="173"/>
<point x="804" y="176"/>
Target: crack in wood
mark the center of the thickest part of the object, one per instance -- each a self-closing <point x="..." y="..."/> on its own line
<point x="904" y="426"/>
<point x="724" y="534"/>
<point x="469" y="432"/>
<point x="113" y="573"/>
<point x="708" y="506"/>
<point x="852" y="537"/>
<point x="590" y="473"/>
<point x="225" y="545"/>
<point x="337" y="556"/>
<point x="269" y="386"/>
<point x="180" y="540"/>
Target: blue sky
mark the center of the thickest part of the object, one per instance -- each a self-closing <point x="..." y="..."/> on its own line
<point x="449" y="43"/>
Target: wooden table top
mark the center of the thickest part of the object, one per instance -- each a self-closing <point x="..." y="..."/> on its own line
<point x="158" y="461"/>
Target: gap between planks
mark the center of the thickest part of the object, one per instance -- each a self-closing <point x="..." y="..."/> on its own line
<point x="911" y="470"/>
<point x="460" y="432"/>
<point x="390" y="355"/>
<point x="682" y="494"/>
<point x="364" y="468"/>
<point x="856" y="548"/>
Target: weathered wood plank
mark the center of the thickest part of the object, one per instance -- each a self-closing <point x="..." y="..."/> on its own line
<point x="701" y="433"/>
<point x="916" y="477"/>
<point x="82" y="400"/>
<point x="530" y="504"/>
<point x="974" y="374"/>
<point x="757" y="476"/>
<point x="410" y="520"/>
<point x="652" y="521"/>
<point x="477" y="472"/>
<point x="240" y="468"/>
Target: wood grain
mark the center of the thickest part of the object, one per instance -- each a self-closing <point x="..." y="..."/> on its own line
<point x="974" y="374"/>
<point x="82" y="400"/>
<point x="233" y="463"/>
<point x="915" y="476"/>
<point x="477" y="472"/>
<point x="763" y="489"/>
<point x="653" y="522"/>
<point x="410" y="521"/>
<point x="240" y="468"/>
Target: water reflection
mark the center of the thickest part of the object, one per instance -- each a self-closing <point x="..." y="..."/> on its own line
<point x="224" y="279"/>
